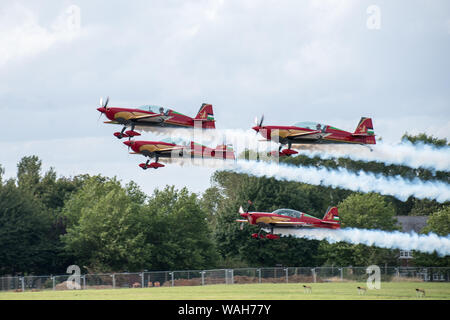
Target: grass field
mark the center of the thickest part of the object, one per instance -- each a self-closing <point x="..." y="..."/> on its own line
<point x="322" y="291"/>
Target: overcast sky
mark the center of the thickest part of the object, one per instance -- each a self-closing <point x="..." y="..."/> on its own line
<point x="325" y="61"/>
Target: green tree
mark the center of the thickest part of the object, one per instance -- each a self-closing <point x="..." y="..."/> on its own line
<point x="426" y="207"/>
<point x="211" y="202"/>
<point x="177" y="228"/>
<point x="424" y="138"/>
<point x="24" y="227"/>
<point x="367" y="211"/>
<point x="29" y="173"/>
<point x="2" y="172"/>
<point x="363" y="211"/>
<point x="105" y="232"/>
<point x="439" y="223"/>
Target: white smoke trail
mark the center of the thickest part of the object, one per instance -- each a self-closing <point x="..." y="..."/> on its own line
<point x="363" y="182"/>
<point x="427" y="243"/>
<point x="412" y="155"/>
<point x="240" y="139"/>
<point x="405" y="153"/>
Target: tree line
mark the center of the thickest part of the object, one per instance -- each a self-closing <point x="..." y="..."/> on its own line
<point x="48" y="223"/>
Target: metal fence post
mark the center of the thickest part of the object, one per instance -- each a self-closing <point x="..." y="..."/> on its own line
<point x="172" y="280"/>
<point x="313" y="271"/>
<point x="229" y="276"/>
<point x="113" y="280"/>
<point x="142" y="279"/>
<point x="287" y="275"/>
<point x="54" y="283"/>
<point x="203" y="277"/>
<point x="22" y="279"/>
<point x="342" y="273"/>
<point x="84" y="282"/>
<point x="259" y="275"/>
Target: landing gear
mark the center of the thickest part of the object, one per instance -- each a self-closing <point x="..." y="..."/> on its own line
<point x="154" y="165"/>
<point x="144" y="166"/>
<point x="364" y="145"/>
<point x="121" y="134"/>
<point x="126" y="134"/>
<point x="269" y="236"/>
<point x="131" y="133"/>
<point x="288" y="151"/>
<point x="285" y="152"/>
<point x="257" y="236"/>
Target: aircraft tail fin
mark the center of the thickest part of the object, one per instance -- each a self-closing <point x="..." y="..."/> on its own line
<point x="206" y="115"/>
<point x="365" y="127"/>
<point x="365" y="130"/>
<point x="331" y="215"/>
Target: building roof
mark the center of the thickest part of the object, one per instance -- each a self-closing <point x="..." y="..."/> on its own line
<point x="412" y="223"/>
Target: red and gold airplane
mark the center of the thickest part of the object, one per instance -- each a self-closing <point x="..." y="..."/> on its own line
<point x="315" y="133"/>
<point x="153" y="116"/>
<point x="172" y="151"/>
<point x="273" y="222"/>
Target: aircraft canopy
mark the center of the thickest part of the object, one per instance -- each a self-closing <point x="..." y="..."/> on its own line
<point x="289" y="213"/>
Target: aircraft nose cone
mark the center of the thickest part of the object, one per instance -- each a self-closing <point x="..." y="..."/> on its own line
<point x="128" y="143"/>
<point x="256" y="128"/>
<point x="101" y="109"/>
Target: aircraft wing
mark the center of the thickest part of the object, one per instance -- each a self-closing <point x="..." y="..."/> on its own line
<point x="150" y="118"/>
<point x="289" y="223"/>
<point x="302" y="134"/>
<point x="163" y="151"/>
<point x="168" y="150"/>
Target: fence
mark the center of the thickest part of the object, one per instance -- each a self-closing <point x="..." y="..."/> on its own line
<point x="221" y="276"/>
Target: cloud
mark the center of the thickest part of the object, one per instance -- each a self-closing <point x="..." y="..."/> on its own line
<point x="21" y="34"/>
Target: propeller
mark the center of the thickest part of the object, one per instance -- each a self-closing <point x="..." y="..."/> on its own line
<point x="98" y="119"/>
<point x="241" y="210"/>
<point x="259" y="124"/>
<point x="106" y="102"/>
<point x="245" y="213"/>
<point x="129" y="143"/>
<point x="261" y="121"/>
<point x="103" y="107"/>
